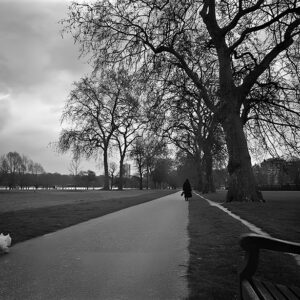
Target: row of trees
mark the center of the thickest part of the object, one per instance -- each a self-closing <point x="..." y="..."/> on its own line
<point x="278" y="172"/>
<point x="114" y="111"/>
<point x="155" y="169"/>
<point x="104" y="112"/>
<point x="19" y="171"/>
<point x="202" y="74"/>
<point x="51" y="181"/>
<point x="16" y="169"/>
<point x="154" y="172"/>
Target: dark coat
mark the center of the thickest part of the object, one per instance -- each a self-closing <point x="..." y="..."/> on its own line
<point x="187" y="189"/>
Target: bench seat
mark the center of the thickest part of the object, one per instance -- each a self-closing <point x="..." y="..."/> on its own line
<point x="253" y="289"/>
<point x="265" y="290"/>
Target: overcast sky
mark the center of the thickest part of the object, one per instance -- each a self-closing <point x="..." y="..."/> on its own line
<point x="37" y="69"/>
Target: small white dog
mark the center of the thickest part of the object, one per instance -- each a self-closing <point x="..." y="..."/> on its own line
<point x="5" y="242"/>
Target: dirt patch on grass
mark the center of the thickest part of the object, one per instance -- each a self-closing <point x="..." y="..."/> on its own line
<point x="24" y="224"/>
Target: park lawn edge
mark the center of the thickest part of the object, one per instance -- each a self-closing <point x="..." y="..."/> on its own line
<point x="216" y="258"/>
<point x="30" y="223"/>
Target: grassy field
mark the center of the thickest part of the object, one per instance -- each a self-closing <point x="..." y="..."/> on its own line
<point x="279" y="216"/>
<point x="215" y="256"/>
<point x="28" y="214"/>
<point x="19" y="200"/>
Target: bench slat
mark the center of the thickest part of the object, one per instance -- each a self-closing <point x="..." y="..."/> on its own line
<point x="296" y="291"/>
<point x="262" y="291"/>
<point x="273" y="290"/>
<point x="251" y="288"/>
<point x="286" y="292"/>
<point x="248" y="291"/>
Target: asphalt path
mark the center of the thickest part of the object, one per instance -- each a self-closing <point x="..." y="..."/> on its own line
<point x="136" y="253"/>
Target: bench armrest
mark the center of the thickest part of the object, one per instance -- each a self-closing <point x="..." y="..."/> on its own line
<point x="252" y="243"/>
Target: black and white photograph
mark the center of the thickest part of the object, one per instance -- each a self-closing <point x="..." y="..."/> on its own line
<point x="149" y="149"/>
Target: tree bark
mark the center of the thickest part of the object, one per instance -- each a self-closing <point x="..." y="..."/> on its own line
<point x="141" y="178"/>
<point x="106" y="173"/>
<point x="112" y="182"/>
<point x="208" y="181"/>
<point x="147" y="179"/>
<point x="121" y="174"/>
<point x="199" y="186"/>
<point x="242" y="185"/>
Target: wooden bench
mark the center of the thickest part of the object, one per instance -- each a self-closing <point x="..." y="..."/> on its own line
<point x="251" y="288"/>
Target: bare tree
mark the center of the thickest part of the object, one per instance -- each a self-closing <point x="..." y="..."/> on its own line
<point x="75" y="165"/>
<point x="14" y="169"/>
<point x="129" y="120"/>
<point x="112" y="170"/>
<point x="145" y="151"/>
<point x="87" y="178"/>
<point x="248" y="39"/>
<point x="274" y="129"/>
<point x="154" y="148"/>
<point x="74" y="168"/>
<point x="35" y="169"/>
<point x="4" y="171"/>
<point x="92" y="110"/>
<point x="13" y="165"/>
<point x="24" y="168"/>
<point x="137" y="153"/>
<point x="188" y="124"/>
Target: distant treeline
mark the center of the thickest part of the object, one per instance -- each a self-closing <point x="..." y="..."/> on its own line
<point x="16" y="169"/>
<point x="278" y="174"/>
<point x="19" y="171"/>
<point x="85" y="180"/>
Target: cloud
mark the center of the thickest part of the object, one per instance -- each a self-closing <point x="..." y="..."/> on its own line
<point x="37" y="68"/>
<point x="5" y="112"/>
<point x="32" y="49"/>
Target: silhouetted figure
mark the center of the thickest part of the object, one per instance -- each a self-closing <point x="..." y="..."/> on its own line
<point x="187" y="190"/>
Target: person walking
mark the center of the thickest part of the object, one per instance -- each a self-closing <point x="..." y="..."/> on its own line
<point x="187" y="190"/>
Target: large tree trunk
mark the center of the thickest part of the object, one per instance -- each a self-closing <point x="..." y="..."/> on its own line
<point x="121" y="174"/>
<point x="112" y="182"/>
<point x="106" y="173"/>
<point x="147" y="179"/>
<point x="199" y="184"/>
<point x="208" y="181"/>
<point x="141" y="177"/>
<point x="242" y="185"/>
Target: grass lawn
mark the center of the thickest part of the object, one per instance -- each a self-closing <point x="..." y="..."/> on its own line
<point x="215" y="256"/>
<point x="279" y="216"/>
<point x="18" y="200"/>
<point x="28" y="214"/>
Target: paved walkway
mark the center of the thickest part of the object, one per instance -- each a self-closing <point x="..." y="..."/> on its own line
<point x="136" y="253"/>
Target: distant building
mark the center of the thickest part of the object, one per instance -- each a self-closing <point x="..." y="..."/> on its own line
<point x="127" y="170"/>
